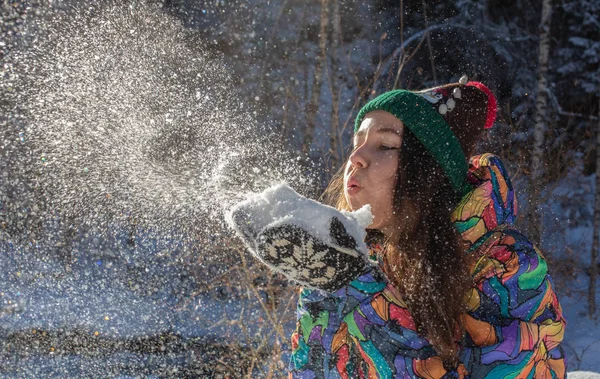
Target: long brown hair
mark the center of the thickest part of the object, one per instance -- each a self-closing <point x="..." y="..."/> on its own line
<point x="424" y="258"/>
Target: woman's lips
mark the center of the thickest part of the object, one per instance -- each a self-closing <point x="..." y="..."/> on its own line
<point x="353" y="190"/>
<point x="352" y="187"/>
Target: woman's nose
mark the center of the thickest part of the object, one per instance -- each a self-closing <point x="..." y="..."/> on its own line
<point x="358" y="158"/>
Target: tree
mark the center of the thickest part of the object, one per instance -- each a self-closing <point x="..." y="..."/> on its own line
<point x="335" y="91"/>
<point x="313" y="105"/>
<point x="542" y="121"/>
<point x="596" y="238"/>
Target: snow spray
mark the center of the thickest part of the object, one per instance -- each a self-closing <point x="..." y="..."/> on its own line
<point x="118" y="111"/>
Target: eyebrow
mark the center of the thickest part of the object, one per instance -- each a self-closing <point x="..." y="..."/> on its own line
<point x="383" y="129"/>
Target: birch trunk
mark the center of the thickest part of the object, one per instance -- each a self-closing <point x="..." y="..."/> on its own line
<point x="596" y="238"/>
<point x="542" y="120"/>
<point x="335" y="94"/>
<point x="313" y="105"/>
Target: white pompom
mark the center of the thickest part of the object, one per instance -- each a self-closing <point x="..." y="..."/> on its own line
<point x="456" y="93"/>
<point x="450" y="103"/>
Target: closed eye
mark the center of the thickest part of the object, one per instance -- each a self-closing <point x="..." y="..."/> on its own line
<point x="384" y="147"/>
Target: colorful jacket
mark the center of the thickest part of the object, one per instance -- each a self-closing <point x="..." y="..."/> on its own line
<point x="513" y="328"/>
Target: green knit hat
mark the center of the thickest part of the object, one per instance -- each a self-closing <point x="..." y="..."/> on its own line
<point x="447" y="120"/>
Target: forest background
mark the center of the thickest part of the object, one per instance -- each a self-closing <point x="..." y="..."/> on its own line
<point x="305" y="68"/>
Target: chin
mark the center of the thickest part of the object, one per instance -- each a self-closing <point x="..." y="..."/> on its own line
<point x="355" y="205"/>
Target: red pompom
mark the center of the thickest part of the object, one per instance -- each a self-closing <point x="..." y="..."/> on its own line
<point x="492" y="106"/>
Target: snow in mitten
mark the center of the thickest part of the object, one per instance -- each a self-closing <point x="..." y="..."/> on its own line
<point x="310" y="243"/>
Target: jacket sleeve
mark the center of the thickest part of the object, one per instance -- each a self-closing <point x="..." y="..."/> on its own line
<point x="322" y="345"/>
<point x="512" y="282"/>
<point x="361" y="330"/>
<point x="318" y="343"/>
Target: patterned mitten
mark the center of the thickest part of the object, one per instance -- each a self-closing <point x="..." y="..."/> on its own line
<point x="310" y="243"/>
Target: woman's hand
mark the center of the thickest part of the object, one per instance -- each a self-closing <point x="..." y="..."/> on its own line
<point x="310" y="243"/>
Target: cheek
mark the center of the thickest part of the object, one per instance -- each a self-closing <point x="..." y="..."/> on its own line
<point x="384" y="196"/>
<point x="387" y="176"/>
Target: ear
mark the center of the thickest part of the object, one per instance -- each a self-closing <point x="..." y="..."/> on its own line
<point x="338" y="231"/>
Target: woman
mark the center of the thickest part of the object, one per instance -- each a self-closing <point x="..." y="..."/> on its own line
<point x="457" y="291"/>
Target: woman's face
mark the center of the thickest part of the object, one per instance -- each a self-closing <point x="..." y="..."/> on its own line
<point x="371" y="171"/>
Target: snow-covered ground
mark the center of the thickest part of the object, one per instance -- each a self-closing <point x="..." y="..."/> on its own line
<point x="584" y="375"/>
<point x="112" y="313"/>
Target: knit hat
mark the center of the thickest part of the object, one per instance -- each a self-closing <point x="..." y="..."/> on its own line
<point x="447" y="120"/>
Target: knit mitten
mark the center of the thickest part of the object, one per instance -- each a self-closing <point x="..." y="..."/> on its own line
<point x="310" y="243"/>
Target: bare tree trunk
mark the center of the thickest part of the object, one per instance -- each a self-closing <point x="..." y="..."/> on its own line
<point x="335" y="95"/>
<point x="401" y="22"/>
<point x="542" y="121"/>
<point x="306" y="64"/>
<point x="313" y="105"/>
<point x="264" y="87"/>
<point x="596" y="240"/>
<point x="401" y="55"/>
<point x="429" y="47"/>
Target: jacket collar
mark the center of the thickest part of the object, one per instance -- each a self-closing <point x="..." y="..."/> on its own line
<point x="492" y="202"/>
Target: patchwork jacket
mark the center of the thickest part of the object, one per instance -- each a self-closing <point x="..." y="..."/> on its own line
<point x="513" y="328"/>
